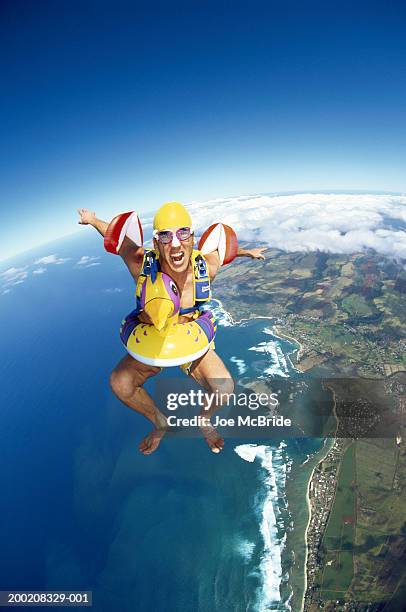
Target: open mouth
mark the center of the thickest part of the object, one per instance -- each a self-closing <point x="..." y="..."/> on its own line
<point x="177" y="258"/>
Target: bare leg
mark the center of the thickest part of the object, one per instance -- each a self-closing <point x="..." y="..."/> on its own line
<point x="126" y="382"/>
<point x="210" y="372"/>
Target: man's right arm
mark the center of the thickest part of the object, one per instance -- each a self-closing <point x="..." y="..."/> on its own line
<point x="131" y="253"/>
<point x="87" y="217"/>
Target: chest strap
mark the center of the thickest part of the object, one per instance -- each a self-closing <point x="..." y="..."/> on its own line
<point x="201" y="279"/>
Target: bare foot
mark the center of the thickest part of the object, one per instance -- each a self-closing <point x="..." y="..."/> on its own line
<point x="151" y="442"/>
<point x="213" y="438"/>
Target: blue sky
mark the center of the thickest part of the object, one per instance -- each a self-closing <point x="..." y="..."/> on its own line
<point x="124" y="105"/>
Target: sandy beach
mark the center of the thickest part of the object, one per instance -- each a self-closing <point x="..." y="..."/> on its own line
<point x="328" y="445"/>
<point x="285" y="336"/>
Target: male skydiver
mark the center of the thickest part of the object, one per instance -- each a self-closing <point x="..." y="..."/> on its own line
<point x="173" y="239"/>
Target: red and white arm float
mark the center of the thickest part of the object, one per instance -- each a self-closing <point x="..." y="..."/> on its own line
<point x="125" y="224"/>
<point x="222" y="238"/>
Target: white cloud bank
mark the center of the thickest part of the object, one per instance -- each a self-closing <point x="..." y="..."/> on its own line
<point x="338" y="223"/>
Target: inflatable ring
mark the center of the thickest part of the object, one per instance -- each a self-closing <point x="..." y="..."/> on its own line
<point x="181" y="343"/>
<point x="165" y="342"/>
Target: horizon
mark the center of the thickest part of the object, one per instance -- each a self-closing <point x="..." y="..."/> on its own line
<point x="108" y="105"/>
<point x="342" y="192"/>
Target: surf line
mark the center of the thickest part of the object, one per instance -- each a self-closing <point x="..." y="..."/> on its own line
<point x="299" y="349"/>
<point x="273" y="546"/>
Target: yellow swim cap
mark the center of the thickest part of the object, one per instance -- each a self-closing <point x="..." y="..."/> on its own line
<point x="172" y="214"/>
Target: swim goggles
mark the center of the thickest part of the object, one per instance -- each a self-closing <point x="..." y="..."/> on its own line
<point x="166" y="236"/>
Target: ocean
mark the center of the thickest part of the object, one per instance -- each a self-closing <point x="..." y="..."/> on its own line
<point x="182" y="529"/>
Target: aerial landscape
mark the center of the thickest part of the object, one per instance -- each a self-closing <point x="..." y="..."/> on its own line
<point x="355" y="303"/>
<point x="347" y="313"/>
<point x="271" y="137"/>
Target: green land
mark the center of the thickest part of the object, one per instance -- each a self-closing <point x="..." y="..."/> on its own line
<point x="338" y="541"/>
<point x="362" y="557"/>
<point x="348" y="311"/>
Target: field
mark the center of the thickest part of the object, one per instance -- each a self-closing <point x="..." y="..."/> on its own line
<point x="380" y="541"/>
<point x="364" y="546"/>
<point x="355" y="302"/>
<point x="338" y="541"/>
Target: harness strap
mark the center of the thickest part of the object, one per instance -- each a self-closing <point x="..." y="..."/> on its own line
<point x="183" y="311"/>
<point x="201" y="279"/>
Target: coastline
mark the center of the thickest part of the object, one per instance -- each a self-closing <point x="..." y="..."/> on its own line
<point x="321" y="458"/>
<point x="298" y="352"/>
<point x="275" y="330"/>
<point x="315" y="459"/>
<point x="321" y="455"/>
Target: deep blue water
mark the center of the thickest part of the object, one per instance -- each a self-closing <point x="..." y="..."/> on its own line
<point x="182" y="529"/>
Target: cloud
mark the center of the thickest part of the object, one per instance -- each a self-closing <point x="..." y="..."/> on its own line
<point x="87" y="261"/>
<point x="17" y="276"/>
<point x="338" y="223"/>
<point x="13" y="276"/>
<point x="113" y="290"/>
<point x="51" y="259"/>
<point x="12" y="273"/>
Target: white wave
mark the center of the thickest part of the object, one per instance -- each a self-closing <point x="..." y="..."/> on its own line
<point x="248" y="452"/>
<point x="245" y="548"/>
<point x="240" y="363"/>
<point x="223" y="317"/>
<point x="279" y="366"/>
<point x="282" y="360"/>
<point x="295" y="348"/>
<point x="271" y="521"/>
<point x="271" y="563"/>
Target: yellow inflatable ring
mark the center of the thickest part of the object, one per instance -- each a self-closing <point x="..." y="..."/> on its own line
<point x="181" y="343"/>
<point x="166" y="342"/>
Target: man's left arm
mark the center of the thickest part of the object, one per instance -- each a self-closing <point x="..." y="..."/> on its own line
<point x="213" y="259"/>
<point x="257" y="253"/>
